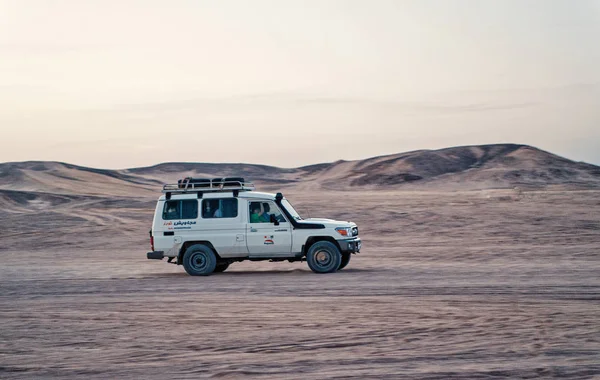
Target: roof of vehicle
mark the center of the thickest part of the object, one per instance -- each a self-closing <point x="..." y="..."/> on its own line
<point x="221" y="194"/>
<point x="256" y="194"/>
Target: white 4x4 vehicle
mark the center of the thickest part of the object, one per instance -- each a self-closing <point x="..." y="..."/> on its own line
<point x="205" y="225"/>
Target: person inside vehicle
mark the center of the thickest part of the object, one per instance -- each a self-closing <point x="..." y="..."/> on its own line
<point x="172" y="212"/>
<point x="266" y="217"/>
<point x="257" y="212"/>
<point x="218" y="213"/>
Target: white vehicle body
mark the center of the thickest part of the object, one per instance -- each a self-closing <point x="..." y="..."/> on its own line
<point x="222" y="221"/>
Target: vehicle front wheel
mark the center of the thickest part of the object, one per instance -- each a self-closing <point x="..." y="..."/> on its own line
<point x="345" y="260"/>
<point x="323" y="257"/>
<point x="221" y="267"/>
<point x="199" y="260"/>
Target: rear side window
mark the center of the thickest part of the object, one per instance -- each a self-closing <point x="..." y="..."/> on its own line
<point x="181" y="209"/>
<point x="219" y="208"/>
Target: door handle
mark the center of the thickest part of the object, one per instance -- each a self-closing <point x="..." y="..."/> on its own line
<point x="253" y="230"/>
<point x="281" y="230"/>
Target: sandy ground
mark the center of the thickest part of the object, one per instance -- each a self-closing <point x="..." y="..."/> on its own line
<point x="486" y="284"/>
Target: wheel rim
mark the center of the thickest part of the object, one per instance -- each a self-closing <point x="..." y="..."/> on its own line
<point x="198" y="261"/>
<point x="323" y="258"/>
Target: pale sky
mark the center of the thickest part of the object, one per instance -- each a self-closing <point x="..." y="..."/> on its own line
<point x="118" y="84"/>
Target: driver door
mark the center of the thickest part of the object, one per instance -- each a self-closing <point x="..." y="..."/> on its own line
<point x="265" y="239"/>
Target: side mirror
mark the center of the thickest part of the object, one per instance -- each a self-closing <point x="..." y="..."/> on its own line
<point x="273" y="219"/>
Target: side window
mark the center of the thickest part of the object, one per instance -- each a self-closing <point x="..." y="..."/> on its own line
<point x="260" y="212"/>
<point x="180" y="209"/>
<point x="189" y="209"/>
<point x="171" y="210"/>
<point x="220" y="208"/>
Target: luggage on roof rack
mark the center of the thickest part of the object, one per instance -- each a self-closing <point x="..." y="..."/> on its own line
<point x="198" y="182"/>
<point x="229" y="181"/>
<point x="190" y="184"/>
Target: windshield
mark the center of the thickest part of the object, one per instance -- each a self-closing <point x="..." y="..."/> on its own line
<point x="288" y="206"/>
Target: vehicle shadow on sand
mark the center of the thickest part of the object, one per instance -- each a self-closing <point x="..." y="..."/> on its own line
<point x="289" y="271"/>
<point x="297" y="272"/>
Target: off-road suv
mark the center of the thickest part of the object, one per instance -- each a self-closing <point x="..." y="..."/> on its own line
<point x="207" y="224"/>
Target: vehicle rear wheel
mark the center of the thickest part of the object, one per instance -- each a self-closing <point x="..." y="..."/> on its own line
<point x="221" y="267"/>
<point x="323" y="257"/>
<point x="199" y="260"/>
<point x="345" y="260"/>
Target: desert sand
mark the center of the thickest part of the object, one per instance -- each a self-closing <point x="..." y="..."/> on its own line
<point x="450" y="284"/>
<point x="478" y="262"/>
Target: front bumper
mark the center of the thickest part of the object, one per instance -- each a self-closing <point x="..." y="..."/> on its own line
<point x="350" y="245"/>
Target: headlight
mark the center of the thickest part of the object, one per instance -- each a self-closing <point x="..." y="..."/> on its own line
<point x="344" y="231"/>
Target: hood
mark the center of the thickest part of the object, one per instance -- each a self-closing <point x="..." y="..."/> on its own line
<point x="329" y="222"/>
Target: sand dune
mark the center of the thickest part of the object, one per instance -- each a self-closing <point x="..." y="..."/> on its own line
<point x="61" y="178"/>
<point x="464" y="168"/>
<point x="471" y="167"/>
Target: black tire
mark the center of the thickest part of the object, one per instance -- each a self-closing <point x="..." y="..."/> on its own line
<point x="221" y="267"/>
<point x="199" y="260"/>
<point x="323" y="257"/>
<point x="345" y="260"/>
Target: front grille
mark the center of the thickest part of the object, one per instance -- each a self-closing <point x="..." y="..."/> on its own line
<point x="354" y="231"/>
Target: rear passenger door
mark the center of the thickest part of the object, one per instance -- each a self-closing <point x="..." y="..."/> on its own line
<point x="264" y="238"/>
<point x="222" y="225"/>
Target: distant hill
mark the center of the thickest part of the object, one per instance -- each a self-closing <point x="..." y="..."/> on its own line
<point x="466" y="167"/>
<point x="62" y="178"/>
<point x="258" y="173"/>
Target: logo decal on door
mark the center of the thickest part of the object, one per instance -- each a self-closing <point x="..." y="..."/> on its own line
<point x="269" y="240"/>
